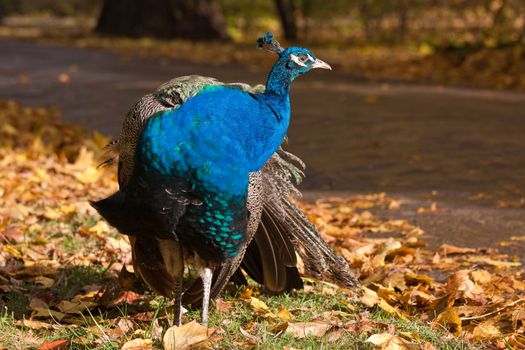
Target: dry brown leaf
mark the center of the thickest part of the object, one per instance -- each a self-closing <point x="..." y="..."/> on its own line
<point x="44" y="282"/>
<point x="306" y="329"/>
<point x="481" y="276"/>
<point x="35" y="324"/>
<point x="387" y="341"/>
<point x="383" y="305"/>
<point x="64" y="78"/>
<point x="496" y="263"/>
<point x="284" y="314"/>
<point x="70" y="307"/>
<point x="369" y="297"/>
<point x="138" y="344"/>
<point x="486" y="330"/>
<point x="447" y="249"/>
<point x="222" y="306"/>
<point x="55" y="345"/>
<point x="258" y="306"/>
<point x="41" y="312"/>
<point x="185" y="336"/>
<point x="450" y="320"/>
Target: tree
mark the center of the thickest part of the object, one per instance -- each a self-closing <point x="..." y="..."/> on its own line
<point x="186" y="19"/>
<point x="286" y="10"/>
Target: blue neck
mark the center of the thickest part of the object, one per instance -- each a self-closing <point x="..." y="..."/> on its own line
<point x="279" y="80"/>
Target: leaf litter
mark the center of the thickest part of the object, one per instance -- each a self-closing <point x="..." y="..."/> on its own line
<point x="66" y="275"/>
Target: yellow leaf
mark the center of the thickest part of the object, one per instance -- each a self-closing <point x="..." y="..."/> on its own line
<point x="486" y="330"/>
<point x="481" y="276"/>
<point x="284" y="314"/>
<point x="185" y="336"/>
<point x="69" y="307"/>
<point x="8" y="248"/>
<point x="260" y="307"/>
<point x="38" y="268"/>
<point x="305" y="329"/>
<point x="35" y="324"/>
<point x="99" y="228"/>
<point x="138" y="344"/>
<point x="450" y="320"/>
<point x="369" y="297"/>
<point x="52" y="214"/>
<point x="387" y="341"/>
<point x="88" y="175"/>
<point x="413" y="278"/>
<point x="492" y="262"/>
<point x="246" y="294"/>
<point x="43" y="281"/>
<point x="383" y="305"/>
<point x="41" y="312"/>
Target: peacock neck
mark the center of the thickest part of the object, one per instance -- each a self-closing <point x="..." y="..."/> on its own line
<point x="279" y="81"/>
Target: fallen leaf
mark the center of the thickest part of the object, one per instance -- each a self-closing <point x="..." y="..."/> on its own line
<point x="64" y="78"/>
<point x="387" y="341"/>
<point x="486" y="330"/>
<point x="284" y="314"/>
<point x="138" y="344"/>
<point x="70" y="307"/>
<point x="35" y="324"/>
<point x="369" y="297"/>
<point x="222" y="306"/>
<point x="41" y="312"/>
<point x="305" y="329"/>
<point x="185" y="336"/>
<point x="44" y="282"/>
<point x="450" y="320"/>
<point x="55" y="345"/>
<point x="258" y="306"/>
<point x="447" y="249"/>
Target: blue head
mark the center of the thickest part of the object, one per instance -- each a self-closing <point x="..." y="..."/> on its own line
<point x="292" y="62"/>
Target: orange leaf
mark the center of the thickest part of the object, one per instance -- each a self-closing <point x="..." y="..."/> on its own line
<point x="55" y="345"/>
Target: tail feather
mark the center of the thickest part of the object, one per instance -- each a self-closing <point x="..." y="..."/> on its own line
<point x="110" y="154"/>
<point x="320" y="260"/>
<point x="148" y="263"/>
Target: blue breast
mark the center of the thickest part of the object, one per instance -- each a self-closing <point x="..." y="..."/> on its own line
<point x="216" y="138"/>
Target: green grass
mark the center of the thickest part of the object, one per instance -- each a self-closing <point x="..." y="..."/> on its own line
<point x="309" y="306"/>
<point x="304" y="305"/>
<point x="72" y="280"/>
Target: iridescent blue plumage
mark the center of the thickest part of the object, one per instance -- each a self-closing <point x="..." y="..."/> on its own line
<point x="192" y="165"/>
<point x="220" y="135"/>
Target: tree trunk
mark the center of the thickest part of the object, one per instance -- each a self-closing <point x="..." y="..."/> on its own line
<point x="286" y="10"/>
<point x="364" y="13"/>
<point x="186" y="19"/>
<point x="403" y="7"/>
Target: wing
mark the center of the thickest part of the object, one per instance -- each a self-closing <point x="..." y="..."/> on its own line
<point x="168" y="96"/>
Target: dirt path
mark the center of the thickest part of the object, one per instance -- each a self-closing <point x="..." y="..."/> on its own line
<point x="354" y="135"/>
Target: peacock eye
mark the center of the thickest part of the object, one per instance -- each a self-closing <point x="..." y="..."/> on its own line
<point x="303" y="58"/>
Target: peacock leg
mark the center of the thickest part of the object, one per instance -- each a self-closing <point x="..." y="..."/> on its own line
<point x="207" y="276"/>
<point x="173" y="257"/>
<point x="177" y="297"/>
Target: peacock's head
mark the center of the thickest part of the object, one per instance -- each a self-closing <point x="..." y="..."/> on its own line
<point x="296" y="60"/>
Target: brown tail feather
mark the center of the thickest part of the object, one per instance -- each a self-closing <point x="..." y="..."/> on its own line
<point x="148" y="263"/>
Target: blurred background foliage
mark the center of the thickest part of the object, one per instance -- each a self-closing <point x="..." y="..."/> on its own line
<point x="443" y="23"/>
<point x="474" y="36"/>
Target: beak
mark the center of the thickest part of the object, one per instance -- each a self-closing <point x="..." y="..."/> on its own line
<point x="321" y="64"/>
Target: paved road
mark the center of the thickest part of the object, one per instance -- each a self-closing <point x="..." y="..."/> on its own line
<point x="355" y="136"/>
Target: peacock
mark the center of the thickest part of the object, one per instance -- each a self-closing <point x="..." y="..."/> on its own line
<point x="201" y="173"/>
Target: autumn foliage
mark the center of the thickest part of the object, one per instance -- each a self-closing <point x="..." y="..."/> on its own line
<point x="63" y="269"/>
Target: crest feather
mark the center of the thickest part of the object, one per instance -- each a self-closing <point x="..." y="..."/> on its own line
<point x="268" y="43"/>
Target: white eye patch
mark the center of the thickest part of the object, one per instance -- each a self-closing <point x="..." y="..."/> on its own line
<point x="295" y="59"/>
<point x="310" y="58"/>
